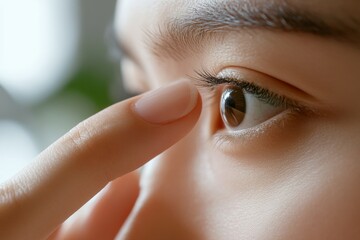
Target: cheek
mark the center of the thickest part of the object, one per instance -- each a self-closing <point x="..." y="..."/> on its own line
<point x="310" y="201"/>
<point x="308" y="190"/>
<point x="324" y="204"/>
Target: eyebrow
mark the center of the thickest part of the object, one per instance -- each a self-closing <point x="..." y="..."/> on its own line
<point x="213" y="19"/>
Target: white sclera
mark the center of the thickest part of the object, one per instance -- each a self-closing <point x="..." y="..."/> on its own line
<point x="256" y="112"/>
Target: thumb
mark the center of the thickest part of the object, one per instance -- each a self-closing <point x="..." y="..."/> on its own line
<point x="110" y="144"/>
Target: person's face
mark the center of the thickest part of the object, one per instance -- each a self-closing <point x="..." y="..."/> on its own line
<point x="281" y="160"/>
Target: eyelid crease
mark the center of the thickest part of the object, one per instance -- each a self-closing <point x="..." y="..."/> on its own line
<point x="208" y="80"/>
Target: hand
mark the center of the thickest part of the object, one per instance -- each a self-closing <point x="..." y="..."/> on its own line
<point x="104" y="147"/>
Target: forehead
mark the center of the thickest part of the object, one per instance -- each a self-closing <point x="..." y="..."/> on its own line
<point x="135" y="17"/>
<point x="165" y="9"/>
<point x="146" y="13"/>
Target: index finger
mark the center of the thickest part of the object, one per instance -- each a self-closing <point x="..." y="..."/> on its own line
<point x="112" y="143"/>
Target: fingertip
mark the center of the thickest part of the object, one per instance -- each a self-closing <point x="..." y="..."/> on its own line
<point x="168" y="104"/>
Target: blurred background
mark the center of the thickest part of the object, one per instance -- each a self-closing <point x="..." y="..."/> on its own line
<point x="57" y="67"/>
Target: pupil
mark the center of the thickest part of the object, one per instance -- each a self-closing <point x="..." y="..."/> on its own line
<point x="233" y="107"/>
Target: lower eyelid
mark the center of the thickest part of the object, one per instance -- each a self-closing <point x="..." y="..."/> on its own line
<point x="271" y="132"/>
<point x="264" y="133"/>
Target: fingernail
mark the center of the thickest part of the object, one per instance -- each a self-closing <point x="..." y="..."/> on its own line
<point x="168" y="103"/>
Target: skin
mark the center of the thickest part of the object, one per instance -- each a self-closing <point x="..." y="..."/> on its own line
<point x="288" y="176"/>
<point x="294" y="180"/>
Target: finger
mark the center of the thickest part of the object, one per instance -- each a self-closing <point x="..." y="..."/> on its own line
<point x="108" y="145"/>
<point x="103" y="216"/>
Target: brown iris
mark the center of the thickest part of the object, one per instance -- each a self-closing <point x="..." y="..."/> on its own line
<point x="233" y="106"/>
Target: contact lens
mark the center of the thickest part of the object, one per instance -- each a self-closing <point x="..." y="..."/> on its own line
<point x="233" y="106"/>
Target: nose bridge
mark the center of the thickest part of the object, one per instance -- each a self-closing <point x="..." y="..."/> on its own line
<point x="167" y="207"/>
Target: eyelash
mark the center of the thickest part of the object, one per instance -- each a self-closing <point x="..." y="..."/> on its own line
<point x="208" y="80"/>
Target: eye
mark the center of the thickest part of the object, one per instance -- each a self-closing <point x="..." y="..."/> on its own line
<point x="240" y="109"/>
<point x="243" y="104"/>
<point x="233" y="107"/>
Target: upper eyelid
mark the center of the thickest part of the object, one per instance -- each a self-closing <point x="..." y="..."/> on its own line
<point x="211" y="81"/>
<point x="206" y="79"/>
